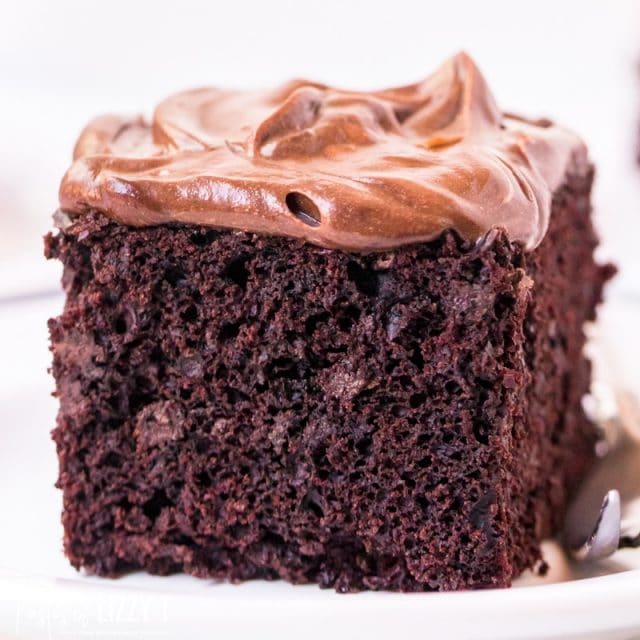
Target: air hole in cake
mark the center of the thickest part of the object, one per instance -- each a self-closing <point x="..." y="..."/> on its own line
<point x="503" y="305"/>
<point x="423" y="503"/>
<point x="236" y="271"/>
<point x="452" y="387"/>
<point x="416" y="358"/>
<point x="323" y="474"/>
<point x="127" y="323"/>
<point x="174" y="276"/>
<point x="120" y="325"/>
<point x="295" y="428"/>
<point x="319" y="455"/>
<point x="350" y="315"/>
<point x="312" y="501"/>
<point x="221" y="372"/>
<point x="203" y="239"/>
<point x="366" y="280"/>
<point x="405" y="381"/>
<point x="139" y="399"/>
<point x="448" y="437"/>
<point x="303" y="208"/>
<point x="203" y="479"/>
<point x="408" y="480"/>
<point x="273" y="539"/>
<point x="353" y="312"/>
<point x="398" y="411"/>
<point x="203" y="446"/>
<point x="481" y="432"/>
<point x="417" y="400"/>
<point x="313" y="321"/>
<point x="235" y="395"/>
<point x="363" y="446"/>
<point x="112" y="459"/>
<point x="190" y="313"/>
<point x="474" y="475"/>
<point x="229" y="330"/>
<point x="475" y="271"/>
<point x="152" y="507"/>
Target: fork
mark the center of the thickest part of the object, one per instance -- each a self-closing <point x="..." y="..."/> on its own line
<point x="593" y="530"/>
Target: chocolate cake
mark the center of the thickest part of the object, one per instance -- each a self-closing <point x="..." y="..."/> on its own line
<point x="324" y="336"/>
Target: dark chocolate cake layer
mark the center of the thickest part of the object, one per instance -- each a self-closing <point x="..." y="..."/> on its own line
<point x="239" y="406"/>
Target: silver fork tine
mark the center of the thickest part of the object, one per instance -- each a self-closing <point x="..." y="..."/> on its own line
<point x="602" y="538"/>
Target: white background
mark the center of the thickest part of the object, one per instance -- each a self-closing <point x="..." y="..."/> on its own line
<point x="64" y="61"/>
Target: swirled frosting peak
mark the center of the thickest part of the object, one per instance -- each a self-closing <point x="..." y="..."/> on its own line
<point x="344" y="169"/>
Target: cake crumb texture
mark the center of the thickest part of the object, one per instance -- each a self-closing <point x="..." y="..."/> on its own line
<point x="237" y="407"/>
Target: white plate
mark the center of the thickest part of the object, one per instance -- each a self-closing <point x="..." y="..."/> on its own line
<point x="42" y="596"/>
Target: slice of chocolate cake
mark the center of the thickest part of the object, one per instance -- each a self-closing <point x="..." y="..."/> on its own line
<point x="324" y="336"/>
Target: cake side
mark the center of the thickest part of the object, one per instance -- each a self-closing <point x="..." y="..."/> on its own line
<point x="554" y="443"/>
<point x="240" y="406"/>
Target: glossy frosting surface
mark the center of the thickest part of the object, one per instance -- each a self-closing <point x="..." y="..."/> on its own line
<point x="343" y="169"/>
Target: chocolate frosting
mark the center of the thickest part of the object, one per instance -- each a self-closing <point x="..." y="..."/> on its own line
<point x="344" y="169"/>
